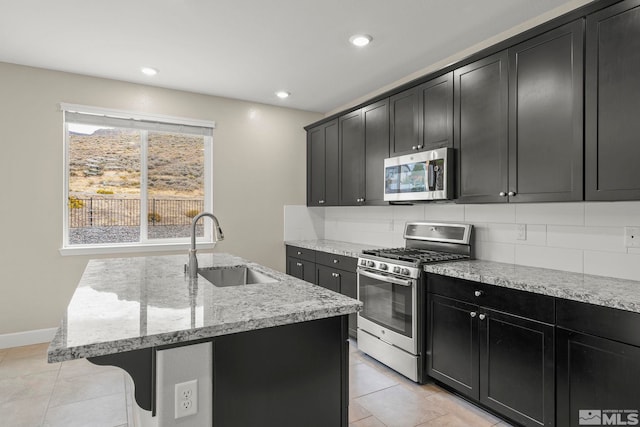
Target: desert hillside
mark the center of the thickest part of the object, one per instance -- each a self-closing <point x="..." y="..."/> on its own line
<point x="108" y="162"/>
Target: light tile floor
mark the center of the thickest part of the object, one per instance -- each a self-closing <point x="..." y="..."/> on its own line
<point x="78" y="393"/>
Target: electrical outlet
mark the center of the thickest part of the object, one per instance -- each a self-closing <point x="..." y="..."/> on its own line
<point x="186" y="399"/>
<point x="522" y="232"/>
<point x="632" y="237"/>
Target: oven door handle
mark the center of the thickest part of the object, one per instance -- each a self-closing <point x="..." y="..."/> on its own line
<point x="389" y="279"/>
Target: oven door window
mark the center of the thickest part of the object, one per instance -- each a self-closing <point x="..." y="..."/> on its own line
<point x="387" y="304"/>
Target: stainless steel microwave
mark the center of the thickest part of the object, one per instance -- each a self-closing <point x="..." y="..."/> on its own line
<point x="427" y="175"/>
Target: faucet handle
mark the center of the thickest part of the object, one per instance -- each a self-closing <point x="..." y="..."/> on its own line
<point x="220" y="234"/>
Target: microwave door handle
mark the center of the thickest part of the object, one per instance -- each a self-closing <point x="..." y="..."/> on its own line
<point x="389" y="279"/>
<point x="431" y="177"/>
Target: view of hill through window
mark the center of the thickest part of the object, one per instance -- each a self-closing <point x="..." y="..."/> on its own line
<point x="106" y="183"/>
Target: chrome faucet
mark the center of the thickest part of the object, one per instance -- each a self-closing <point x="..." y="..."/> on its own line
<point x="218" y="235"/>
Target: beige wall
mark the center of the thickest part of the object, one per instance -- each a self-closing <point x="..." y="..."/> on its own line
<point x="258" y="167"/>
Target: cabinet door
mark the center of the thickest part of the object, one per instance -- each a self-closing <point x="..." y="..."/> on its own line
<point x="303" y="270"/>
<point x="546" y="117"/>
<point x="376" y="139"/>
<point x="437" y="112"/>
<point x="332" y="165"/>
<point x="596" y="374"/>
<point x="612" y="103"/>
<point x="349" y="287"/>
<point x="315" y="166"/>
<point x="328" y="278"/>
<point x="452" y="344"/>
<point x="352" y="163"/>
<point x="405" y="122"/>
<point x="517" y="367"/>
<point x="480" y="123"/>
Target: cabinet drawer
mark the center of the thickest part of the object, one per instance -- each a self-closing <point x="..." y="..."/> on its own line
<point x="337" y="261"/>
<point x="302" y="253"/>
<point x="520" y="303"/>
<point x="605" y="322"/>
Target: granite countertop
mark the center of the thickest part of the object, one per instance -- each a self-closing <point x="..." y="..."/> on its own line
<point x="124" y="304"/>
<point x="332" y="246"/>
<point x="599" y="290"/>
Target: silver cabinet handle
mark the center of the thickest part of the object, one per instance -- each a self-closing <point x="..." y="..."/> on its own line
<point x="478" y="293"/>
<point x="511" y="193"/>
<point x="473" y="314"/>
<point x="415" y="147"/>
<point x="482" y="316"/>
<point x="502" y="194"/>
<point x="335" y="261"/>
<point x="335" y="274"/>
<point x="420" y="146"/>
<point x="321" y="202"/>
<point x="299" y="253"/>
<point x="298" y="264"/>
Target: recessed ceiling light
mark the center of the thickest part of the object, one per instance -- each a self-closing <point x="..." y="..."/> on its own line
<point x="149" y="71"/>
<point x="360" y="40"/>
<point x="282" y="94"/>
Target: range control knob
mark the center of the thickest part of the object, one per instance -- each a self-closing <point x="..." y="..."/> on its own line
<point x="396" y="270"/>
<point x="383" y="266"/>
<point x="405" y="271"/>
<point x="371" y="264"/>
<point x="363" y="262"/>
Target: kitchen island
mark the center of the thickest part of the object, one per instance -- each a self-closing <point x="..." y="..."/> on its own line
<point x="273" y="352"/>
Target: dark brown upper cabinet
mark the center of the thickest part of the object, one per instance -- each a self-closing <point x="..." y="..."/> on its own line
<point x="404" y="116"/>
<point x="437" y="112"/>
<point x="519" y="120"/>
<point x="612" y="103"/>
<point x="546" y="117"/>
<point x="421" y="118"/>
<point x="480" y="123"/>
<point x="352" y="159"/>
<point x="322" y="165"/>
<point x="376" y="140"/>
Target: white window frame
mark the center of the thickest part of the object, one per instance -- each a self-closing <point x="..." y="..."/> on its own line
<point x="144" y="245"/>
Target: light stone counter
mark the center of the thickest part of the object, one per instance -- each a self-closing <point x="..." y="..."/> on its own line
<point x="124" y="304"/>
<point x="332" y="246"/>
<point x="599" y="290"/>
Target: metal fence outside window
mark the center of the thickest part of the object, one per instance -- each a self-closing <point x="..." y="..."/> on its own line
<point x="94" y="212"/>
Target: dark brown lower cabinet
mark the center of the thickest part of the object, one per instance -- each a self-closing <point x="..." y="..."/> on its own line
<point x="452" y="347"/>
<point x="517" y="367"/>
<point x="597" y="377"/>
<point x="343" y="282"/>
<point x="331" y="271"/>
<point x="303" y="270"/>
<point x="598" y="365"/>
<point x="503" y="361"/>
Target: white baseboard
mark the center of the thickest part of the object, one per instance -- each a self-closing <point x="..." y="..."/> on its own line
<point x="19" y="339"/>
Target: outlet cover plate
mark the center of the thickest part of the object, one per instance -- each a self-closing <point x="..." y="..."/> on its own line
<point x="186" y="399"/>
<point x="632" y="237"/>
<point x="522" y="232"/>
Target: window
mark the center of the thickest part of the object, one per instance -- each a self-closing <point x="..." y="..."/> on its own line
<point x="134" y="181"/>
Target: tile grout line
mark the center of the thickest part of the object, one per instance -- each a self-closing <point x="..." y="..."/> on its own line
<point x="46" y="409"/>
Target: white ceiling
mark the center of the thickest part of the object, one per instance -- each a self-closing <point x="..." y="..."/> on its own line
<point x="248" y="49"/>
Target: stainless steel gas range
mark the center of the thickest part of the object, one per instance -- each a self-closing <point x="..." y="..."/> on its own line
<point x="391" y="289"/>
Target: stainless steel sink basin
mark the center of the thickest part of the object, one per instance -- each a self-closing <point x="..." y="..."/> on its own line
<point x="235" y="276"/>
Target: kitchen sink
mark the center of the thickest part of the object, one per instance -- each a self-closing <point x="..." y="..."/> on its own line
<point x="234" y="276"/>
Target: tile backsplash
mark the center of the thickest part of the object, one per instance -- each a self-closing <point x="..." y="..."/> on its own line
<point x="584" y="237"/>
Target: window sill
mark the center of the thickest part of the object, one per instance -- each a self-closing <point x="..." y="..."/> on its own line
<point x="131" y="249"/>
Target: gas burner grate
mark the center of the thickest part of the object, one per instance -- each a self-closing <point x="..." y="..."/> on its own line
<point x="416" y="255"/>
